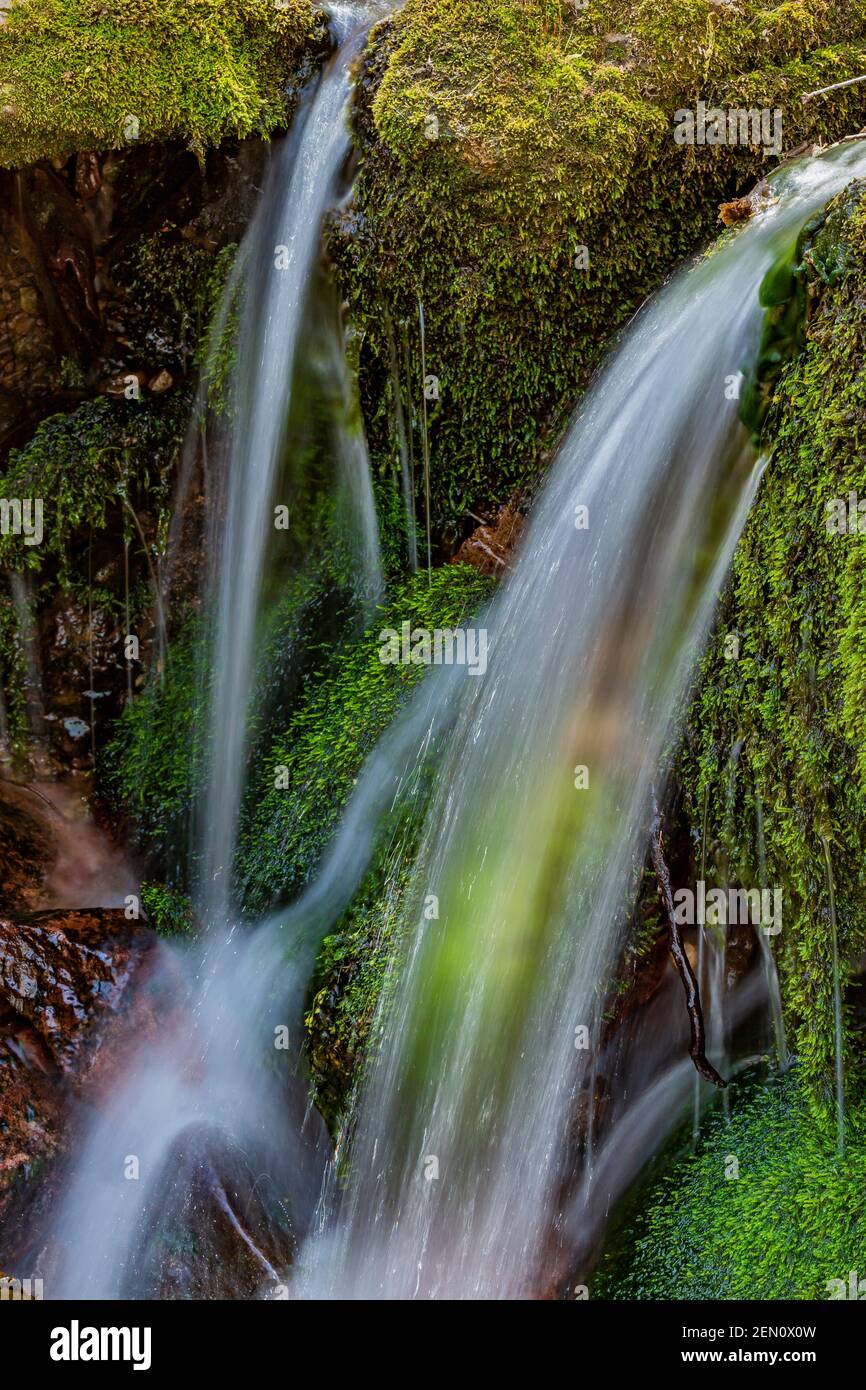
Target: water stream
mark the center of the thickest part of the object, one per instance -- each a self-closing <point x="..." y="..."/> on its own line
<point x="461" y="1182"/>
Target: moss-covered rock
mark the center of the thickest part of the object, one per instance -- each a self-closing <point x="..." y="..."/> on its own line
<point x="775" y="755"/>
<point x="87" y="75"/>
<point x="766" y="1209"/>
<point x="520" y="180"/>
<point x="88" y="462"/>
<point x="327" y="739"/>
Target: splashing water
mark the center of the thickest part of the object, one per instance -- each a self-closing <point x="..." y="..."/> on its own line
<point x="458" y="1181"/>
<point x="459" y="1177"/>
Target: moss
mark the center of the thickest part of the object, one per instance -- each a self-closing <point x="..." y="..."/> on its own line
<point x="82" y="464"/>
<point x="169" y="912"/>
<point x="13" y="705"/>
<point x="775" y="746"/>
<point x="151" y="768"/>
<point x="787" y="1224"/>
<point x="75" y="73"/>
<point x="332" y="732"/>
<point x="172" y="290"/>
<point x="549" y="138"/>
<point x="353" y="968"/>
<point x="328" y="743"/>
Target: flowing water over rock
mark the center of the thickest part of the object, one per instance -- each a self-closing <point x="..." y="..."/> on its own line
<point x="278" y="260"/>
<point x="461" y="1175"/>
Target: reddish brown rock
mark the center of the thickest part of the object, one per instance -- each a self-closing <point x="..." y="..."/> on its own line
<point x="65" y="985"/>
<point x="61" y="971"/>
<point x="490" y="546"/>
<point x="27" y="850"/>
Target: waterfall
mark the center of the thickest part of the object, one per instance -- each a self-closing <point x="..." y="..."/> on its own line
<point x="458" y="1184"/>
<point x="278" y="260"/>
<point x="218" y="1091"/>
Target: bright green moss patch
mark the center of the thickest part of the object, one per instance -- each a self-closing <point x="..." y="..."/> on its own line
<point x="520" y="178"/>
<point x="353" y="968"/>
<point x="351" y="705"/>
<point x="776" y="749"/>
<point x="765" y="1210"/>
<point x="86" y="74"/>
<point x="168" y="911"/>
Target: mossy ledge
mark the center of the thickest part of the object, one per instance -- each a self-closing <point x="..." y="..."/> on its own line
<point x="87" y="75"/>
<point x="766" y="1209"/>
<point x="498" y="139"/>
<point x="774" y="761"/>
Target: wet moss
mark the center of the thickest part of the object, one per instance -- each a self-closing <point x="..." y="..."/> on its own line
<point x="349" y="715"/>
<point x="766" y="1209"/>
<point x="322" y="750"/>
<point x="168" y="911"/>
<point x="149" y="771"/>
<point x="86" y="75"/>
<point x="775" y="747"/>
<point x="83" y="464"/>
<point x="498" y="140"/>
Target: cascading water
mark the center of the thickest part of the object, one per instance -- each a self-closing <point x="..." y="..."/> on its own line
<point x="279" y="258"/>
<point x="459" y="1183"/>
<point x="196" y="1106"/>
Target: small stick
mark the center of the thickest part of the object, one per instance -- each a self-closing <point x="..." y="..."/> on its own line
<point x="820" y="91"/>
<point x="697" y="1049"/>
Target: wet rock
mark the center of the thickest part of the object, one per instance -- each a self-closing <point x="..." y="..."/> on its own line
<point x="490" y="546"/>
<point x="741" y="209"/>
<point x="59" y="971"/>
<point x="161" y="382"/>
<point x="216" y="1230"/>
<point x="31" y="1108"/>
<point x="65" y="983"/>
<point x="27" y="850"/>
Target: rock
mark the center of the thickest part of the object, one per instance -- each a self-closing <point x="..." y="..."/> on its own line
<point x="27" y="851"/>
<point x="65" y="983"/>
<point x="490" y="546"/>
<point x="161" y="382"/>
<point x="741" y="209"/>
<point x="215" y="1230"/>
<point x="60" y="970"/>
<point x="88" y="176"/>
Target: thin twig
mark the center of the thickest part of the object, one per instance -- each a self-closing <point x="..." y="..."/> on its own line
<point x="819" y="92"/>
<point x="697" y="1049"/>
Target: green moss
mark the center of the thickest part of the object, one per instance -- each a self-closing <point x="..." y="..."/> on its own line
<point x="85" y="463"/>
<point x="150" y="770"/>
<point x="13" y="724"/>
<point x="549" y="138"/>
<point x="172" y="290"/>
<point x="328" y="742"/>
<point x="75" y="73"/>
<point x="353" y="968"/>
<point x="169" y="912"/>
<point x="354" y="700"/>
<point x="776" y="747"/>
<point x="791" y="1221"/>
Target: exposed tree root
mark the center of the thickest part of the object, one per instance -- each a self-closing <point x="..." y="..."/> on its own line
<point x="697" y="1049"/>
